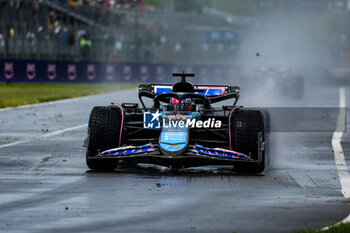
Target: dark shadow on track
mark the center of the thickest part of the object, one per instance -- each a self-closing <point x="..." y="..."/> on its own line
<point x="147" y="170"/>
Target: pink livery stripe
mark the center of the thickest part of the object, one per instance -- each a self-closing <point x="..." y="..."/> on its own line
<point x="121" y="126"/>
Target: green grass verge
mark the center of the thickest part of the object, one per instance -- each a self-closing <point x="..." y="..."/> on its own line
<point x="339" y="228"/>
<point x="29" y="93"/>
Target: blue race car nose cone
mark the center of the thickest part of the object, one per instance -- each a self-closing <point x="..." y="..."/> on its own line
<point x="173" y="138"/>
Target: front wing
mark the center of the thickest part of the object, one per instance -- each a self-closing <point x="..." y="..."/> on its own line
<point x="196" y="155"/>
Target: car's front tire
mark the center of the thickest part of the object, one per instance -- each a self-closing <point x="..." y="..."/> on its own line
<point x="103" y="133"/>
<point x="247" y="129"/>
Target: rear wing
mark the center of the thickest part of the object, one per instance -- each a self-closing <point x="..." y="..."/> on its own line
<point x="208" y="91"/>
<point x="215" y="93"/>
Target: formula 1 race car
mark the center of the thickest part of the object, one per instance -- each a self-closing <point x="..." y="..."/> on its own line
<point x="182" y="129"/>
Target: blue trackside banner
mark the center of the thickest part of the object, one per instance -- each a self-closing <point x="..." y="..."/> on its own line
<point x="104" y="72"/>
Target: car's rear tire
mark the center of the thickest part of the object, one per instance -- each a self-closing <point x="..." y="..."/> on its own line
<point x="103" y="134"/>
<point x="247" y="128"/>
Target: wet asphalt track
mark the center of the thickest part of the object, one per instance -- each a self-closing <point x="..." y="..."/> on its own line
<point x="45" y="185"/>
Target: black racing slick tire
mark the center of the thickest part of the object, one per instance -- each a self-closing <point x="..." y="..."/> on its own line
<point x="103" y="134"/>
<point x="247" y="129"/>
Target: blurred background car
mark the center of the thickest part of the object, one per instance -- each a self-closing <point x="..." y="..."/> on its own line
<point x="274" y="82"/>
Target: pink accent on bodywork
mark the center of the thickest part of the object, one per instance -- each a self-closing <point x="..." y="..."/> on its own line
<point x="231" y="151"/>
<point x="174" y="101"/>
<point x="229" y="125"/>
<point x="121" y="126"/>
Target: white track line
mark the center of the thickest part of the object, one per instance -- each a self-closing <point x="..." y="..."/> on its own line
<point x="55" y="133"/>
<point x="339" y="158"/>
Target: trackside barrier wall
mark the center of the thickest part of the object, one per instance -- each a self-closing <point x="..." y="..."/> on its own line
<point x="98" y="72"/>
